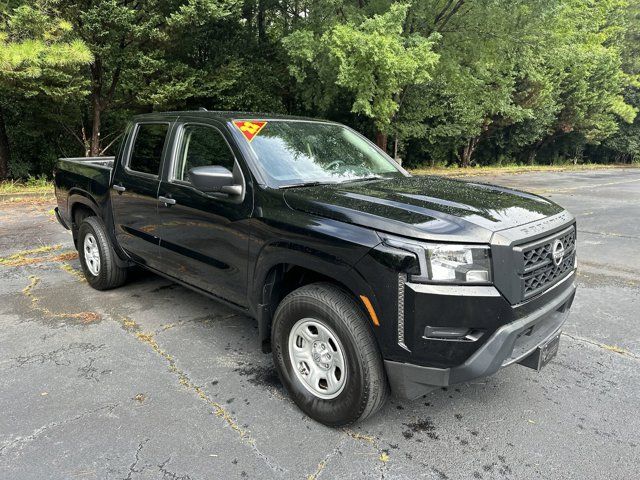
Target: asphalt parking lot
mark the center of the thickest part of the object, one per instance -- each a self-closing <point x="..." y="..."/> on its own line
<point x="152" y="381"/>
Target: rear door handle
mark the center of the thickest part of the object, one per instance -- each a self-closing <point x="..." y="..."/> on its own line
<point x="119" y="188"/>
<point x="166" y="200"/>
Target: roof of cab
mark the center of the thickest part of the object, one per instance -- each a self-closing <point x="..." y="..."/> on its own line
<point x="222" y="115"/>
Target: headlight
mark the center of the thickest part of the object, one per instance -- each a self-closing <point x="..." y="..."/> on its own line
<point x="447" y="263"/>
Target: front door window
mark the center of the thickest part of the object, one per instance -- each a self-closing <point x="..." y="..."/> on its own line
<point x="202" y="146"/>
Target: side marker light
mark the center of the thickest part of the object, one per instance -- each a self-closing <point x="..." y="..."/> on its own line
<point x="372" y="312"/>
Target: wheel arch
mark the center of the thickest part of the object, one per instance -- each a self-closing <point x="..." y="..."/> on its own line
<point x="80" y="206"/>
<point x="281" y="278"/>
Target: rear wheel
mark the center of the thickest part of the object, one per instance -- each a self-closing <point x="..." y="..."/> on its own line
<point x="97" y="257"/>
<point x="327" y="356"/>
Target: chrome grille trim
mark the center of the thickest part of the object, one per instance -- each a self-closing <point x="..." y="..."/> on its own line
<point x="402" y="279"/>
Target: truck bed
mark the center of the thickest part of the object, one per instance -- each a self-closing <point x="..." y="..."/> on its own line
<point x="86" y="176"/>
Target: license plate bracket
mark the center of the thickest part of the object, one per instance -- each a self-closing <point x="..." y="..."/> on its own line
<point x="543" y="354"/>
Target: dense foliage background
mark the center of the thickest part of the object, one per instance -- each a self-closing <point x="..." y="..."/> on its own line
<point x="435" y="82"/>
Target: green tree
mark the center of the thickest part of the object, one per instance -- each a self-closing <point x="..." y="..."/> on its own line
<point x="134" y="46"/>
<point x="209" y="61"/>
<point x="117" y="33"/>
<point x="522" y="74"/>
<point x="592" y="82"/>
<point x="624" y="145"/>
<point x="38" y="57"/>
<point x="449" y="81"/>
<point x="372" y="60"/>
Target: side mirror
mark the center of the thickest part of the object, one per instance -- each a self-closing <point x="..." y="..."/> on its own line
<point x="214" y="179"/>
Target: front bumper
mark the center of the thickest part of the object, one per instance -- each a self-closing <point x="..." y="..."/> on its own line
<point x="508" y="344"/>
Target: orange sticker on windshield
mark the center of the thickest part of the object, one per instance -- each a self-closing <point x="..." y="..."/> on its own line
<point x="249" y="129"/>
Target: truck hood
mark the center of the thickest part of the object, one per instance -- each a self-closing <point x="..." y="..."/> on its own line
<point x="432" y="208"/>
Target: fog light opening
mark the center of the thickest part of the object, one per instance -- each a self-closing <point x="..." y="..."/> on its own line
<point x="452" y="334"/>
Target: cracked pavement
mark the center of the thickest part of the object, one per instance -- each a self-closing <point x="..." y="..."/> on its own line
<point x="152" y="381"/>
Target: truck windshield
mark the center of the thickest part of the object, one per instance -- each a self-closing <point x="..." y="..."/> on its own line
<point x="295" y="153"/>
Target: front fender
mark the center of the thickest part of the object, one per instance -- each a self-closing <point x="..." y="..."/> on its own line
<point x="332" y="256"/>
<point x="325" y="246"/>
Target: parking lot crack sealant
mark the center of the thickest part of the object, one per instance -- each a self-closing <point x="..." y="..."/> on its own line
<point x="148" y="338"/>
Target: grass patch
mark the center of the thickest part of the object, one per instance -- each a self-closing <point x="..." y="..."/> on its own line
<point x="615" y="348"/>
<point x="496" y="170"/>
<point x="84" y="317"/>
<point x="72" y="271"/>
<point x="24" y="254"/>
<point x="33" y="256"/>
<point x="30" y="185"/>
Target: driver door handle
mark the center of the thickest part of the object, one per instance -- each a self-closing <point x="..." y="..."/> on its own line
<point x="119" y="188"/>
<point x="166" y="200"/>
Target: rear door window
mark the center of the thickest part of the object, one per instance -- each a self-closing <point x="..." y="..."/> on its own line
<point x="147" y="149"/>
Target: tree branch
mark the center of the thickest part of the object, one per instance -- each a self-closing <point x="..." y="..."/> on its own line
<point x="74" y="134"/>
<point x="110" y="144"/>
<point x="114" y="82"/>
<point x="448" y="16"/>
<point x="442" y="12"/>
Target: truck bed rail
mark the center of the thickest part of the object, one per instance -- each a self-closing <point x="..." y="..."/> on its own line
<point x="100" y="162"/>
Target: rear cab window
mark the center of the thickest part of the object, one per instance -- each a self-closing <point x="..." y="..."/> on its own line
<point x="146" y="155"/>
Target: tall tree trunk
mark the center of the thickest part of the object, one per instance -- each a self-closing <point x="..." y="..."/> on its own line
<point x="537" y="146"/>
<point x="247" y="14"/>
<point x="94" y="150"/>
<point x="96" y="106"/>
<point x="5" y="152"/>
<point x="395" y="150"/>
<point x="467" y="151"/>
<point x="261" y="21"/>
<point x="381" y="140"/>
<point x="296" y="12"/>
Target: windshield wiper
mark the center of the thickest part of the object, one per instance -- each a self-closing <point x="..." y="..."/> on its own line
<point x="315" y="183"/>
<point x="364" y="179"/>
<point x="306" y="184"/>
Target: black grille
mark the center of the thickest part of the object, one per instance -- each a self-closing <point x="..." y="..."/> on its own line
<point x="539" y="256"/>
<point x="538" y="270"/>
<point x="543" y="277"/>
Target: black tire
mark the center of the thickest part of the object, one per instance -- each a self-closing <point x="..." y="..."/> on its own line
<point x="365" y="389"/>
<point x="109" y="274"/>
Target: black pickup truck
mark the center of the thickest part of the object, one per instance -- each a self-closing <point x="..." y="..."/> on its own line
<point x="363" y="279"/>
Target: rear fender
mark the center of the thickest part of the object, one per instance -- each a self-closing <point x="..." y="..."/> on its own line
<point x="77" y="197"/>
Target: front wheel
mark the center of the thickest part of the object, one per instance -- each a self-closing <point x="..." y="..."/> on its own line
<point x="97" y="257"/>
<point x="326" y="355"/>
